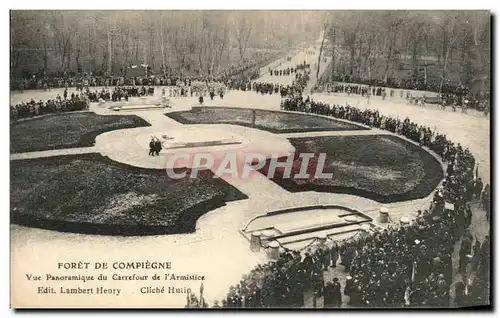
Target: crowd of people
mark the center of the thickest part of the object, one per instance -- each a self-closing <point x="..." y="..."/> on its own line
<point x="118" y="93"/>
<point x="461" y="100"/>
<point x="272" y="88"/>
<point x="356" y="89"/>
<point x="267" y="88"/>
<point x="74" y="102"/>
<point x="290" y="70"/>
<point x="41" y="80"/>
<point x="80" y="101"/>
<point x="85" y="81"/>
<point x="408" y="83"/>
<point x="194" y="88"/>
<point x="407" y="266"/>
<point x="77" y="101"/>
<point x="155" y="146"/>
<point x="455" y="95"/>
<point x="296" y="88"/>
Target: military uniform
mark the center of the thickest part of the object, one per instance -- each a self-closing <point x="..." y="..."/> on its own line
<point x="152" y="147"/>
<point x="336" y="293"/>
<point x="328" y="298"/>
<point x="334" y="256"/>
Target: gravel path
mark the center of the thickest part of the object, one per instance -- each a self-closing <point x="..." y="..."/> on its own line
<point x="217" y="238"/>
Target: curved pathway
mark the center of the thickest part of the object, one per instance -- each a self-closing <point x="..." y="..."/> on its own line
<point x="216" y="238"/>
<point x="216" y="250"/>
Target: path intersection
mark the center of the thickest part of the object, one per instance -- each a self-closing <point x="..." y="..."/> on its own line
<point x="217" y="249"/>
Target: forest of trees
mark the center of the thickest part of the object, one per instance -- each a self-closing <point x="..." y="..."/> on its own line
<point x="189" y="41"/>
<point x="427" y="46"/>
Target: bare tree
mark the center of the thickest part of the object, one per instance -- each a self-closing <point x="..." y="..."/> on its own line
<point x="222" y="44"/>
<point x="161" y="31"/>
<point x="333" y="43"/>
<point x="393" y="23"/>
<point x="78" y="49"/>
<point x="325" y="31"/>
<point x="426" y="30"/>
<point x="480" y="24"/>
<point x="350" y="37"/>
<point x="44" y="35"/>
<point x="451" y="35"/>
<point x="62" y="36"/>
<point x="370" y="36"/>
<point x="201" y="44"/>
<point x="90" y="43"/>
<point x="243" y="31"/>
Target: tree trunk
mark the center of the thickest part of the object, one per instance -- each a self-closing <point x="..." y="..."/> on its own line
<point x="151" y="59"/>
<point x="162" y="50"/>
<point x="221" y="53"/>
<point x="109" y="53"/>
<point x="359" y="59"/>
<point x="240" y="48"/>
<point x="104" y="57"/>
<point x="414" y="59"/>
<point x="352" y="50"/>
<point x="439" y="57"/>
<point x="16" y="59"/>
<point x="445" y="62"/>
<point x="333" y="55"/>
<point x="321" y="51"/>
<point x="389" y="57"/>
<point x="68" y="65"/>
<point x="136" y="51"/>
<point x="213" y="55"/>
<point x="425" y="76"/>
<point x="63" y="57"/>
<point x="200" y="60"/>
<point x="45" y="58"/>
<point x="243" y="42"/>
<point x="77" y="59"/>
<point x="92" y="60"/>
<point x="366" y="64"/>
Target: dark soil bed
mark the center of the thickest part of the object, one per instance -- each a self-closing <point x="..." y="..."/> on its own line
<point x="95" y="195"/>
<point x="383" y="168"/>
<point x="272" y="121"/>
<point x="66" y="130"/>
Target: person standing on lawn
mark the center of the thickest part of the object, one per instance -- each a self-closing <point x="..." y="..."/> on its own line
<point x="157" y="146"/>
<point x="152" y="146"/>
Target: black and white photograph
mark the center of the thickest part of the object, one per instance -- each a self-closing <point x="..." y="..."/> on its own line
<point x="250" y="159"/>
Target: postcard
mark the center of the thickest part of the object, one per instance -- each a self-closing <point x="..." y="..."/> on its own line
<point x="250" y="159"/>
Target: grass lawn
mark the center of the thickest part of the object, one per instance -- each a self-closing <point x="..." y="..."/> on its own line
<point x="95" y="195"/>
<point x="272" y="121"/>
<point x="66" y="130"/>
<point x="379" y="167"/>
